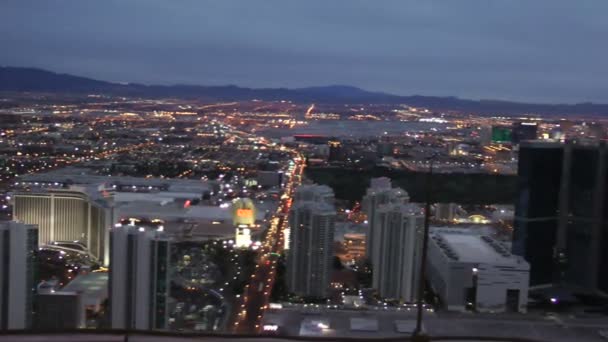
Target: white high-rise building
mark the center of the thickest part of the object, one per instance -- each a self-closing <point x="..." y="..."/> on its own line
<point x="311" y="237"/>
<point x="399" y="237"/>
<point x="379" y="193"/>
<point x="315" y="193"/>
<point x="139" y="278"/>
<point x="18" y="246"/>
<point x="380" y="183"/>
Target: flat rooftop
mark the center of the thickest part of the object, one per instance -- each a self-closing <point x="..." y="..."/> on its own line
<point x="470" y="246"/>
<point x="378" y="324"/>
<point x="317" y="207"/>
<point x="79" y="175"/>
<point x="200" y="231"/>
<point x="92" y="286"/>
<point x="108" y="336"/>
<point x="175" y="211"/>
<point x="341" y="323"/>
<point x="577" y="143"/>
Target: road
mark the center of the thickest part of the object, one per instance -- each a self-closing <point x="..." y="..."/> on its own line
<point x="256" y="295"/>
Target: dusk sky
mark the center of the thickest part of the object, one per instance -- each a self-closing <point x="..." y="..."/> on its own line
<point x="543" y="51"/>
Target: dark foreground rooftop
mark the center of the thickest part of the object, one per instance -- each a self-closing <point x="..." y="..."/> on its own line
<point x="102" y="336"/>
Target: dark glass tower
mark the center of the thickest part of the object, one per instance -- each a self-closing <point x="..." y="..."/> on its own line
<point x="534" y="236"/>
<point x="336" y="151"/>
<point x="561" y="225"/>
<point x="523" y="131"/>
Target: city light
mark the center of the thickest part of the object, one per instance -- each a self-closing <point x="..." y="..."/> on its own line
<point x="283" y="211"/>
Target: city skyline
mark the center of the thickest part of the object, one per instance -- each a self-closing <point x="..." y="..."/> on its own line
<point x="232" y="185"/>
<point x="416" y="170"/>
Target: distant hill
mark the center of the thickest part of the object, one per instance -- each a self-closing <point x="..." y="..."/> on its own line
<point x="37" y="80"/>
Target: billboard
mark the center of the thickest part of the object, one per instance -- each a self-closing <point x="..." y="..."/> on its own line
<point x="501" y="134"/>
<point x="243" y="212"/>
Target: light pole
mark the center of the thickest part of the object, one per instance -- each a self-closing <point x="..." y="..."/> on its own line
<point x="419" y="335"/>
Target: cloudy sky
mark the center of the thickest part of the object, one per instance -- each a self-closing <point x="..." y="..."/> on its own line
<point x="543" y="51"/>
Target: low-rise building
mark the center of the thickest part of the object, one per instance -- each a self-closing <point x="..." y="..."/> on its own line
<point x="473" y="271"/>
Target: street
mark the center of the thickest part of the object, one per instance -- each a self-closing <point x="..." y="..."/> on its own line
<point x="256" y="295"/>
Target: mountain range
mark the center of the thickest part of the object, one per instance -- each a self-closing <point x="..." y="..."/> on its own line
<point x="17" y="79"/>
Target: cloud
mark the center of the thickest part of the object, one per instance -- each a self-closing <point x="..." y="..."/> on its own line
<point x="550" y="51"/>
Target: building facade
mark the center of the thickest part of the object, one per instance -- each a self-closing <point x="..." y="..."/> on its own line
<point x="139" y="279"/>
<point x="243" y="212"/>
<point x="269" y="178"/>
<point x="61" y="310"/>
<point x="354" y="244"/>
<point x="561" y="215"/>
<point x="446" y="211"/>
<point x="336" y="151"/>
<point x="399" y="238"/>
<point x="470" y="271"/>
<point x="67" y="215"/>
<point x="314" y="193"/>
<point x="378" y="194"/>
<point x="522" y="131"/>
<point x="312" y="227"/>
<point x="18" y="274"/>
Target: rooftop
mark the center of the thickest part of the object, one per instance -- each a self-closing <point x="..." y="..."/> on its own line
<point x="390" y="324"/>
<point x="579" y="143"/>
<point x="172" y="211"/>
<point x="469" y="246"/>
<point x="92" y="286"/>
<point x="319" y="190"/>
<point x="317" y="207"/>
<point x="76" y="175"/>
<point x="200" y="231"/>
<point x="120" y="336"/>
<point x="409" y="208"/>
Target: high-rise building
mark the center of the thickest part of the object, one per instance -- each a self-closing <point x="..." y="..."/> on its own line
<point x="243" y="212"/>
<point x="380" y="183"/>
<point x="385" y="148"/>
<point x="501" y="134"/>
<point x="596" y="130"/>
<point x="336" y="151"/>
<point x="67" y="215"/>
<point x="310" y="252"/>
<point x="485" y="135"/>
<point x="18" y="273"/>
<point x="561" y="216"/>
<point x="524" y="131"/>
<point x="270" y="178"/>
<point x="139" y="278"/>
<point x="446" y="211"/>
<point x="399" y="236"/>
<point x="379" y="193"/>
<point x="314" y="193"/>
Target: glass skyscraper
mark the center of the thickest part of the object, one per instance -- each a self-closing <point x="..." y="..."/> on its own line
<point x="561" y="225"/>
